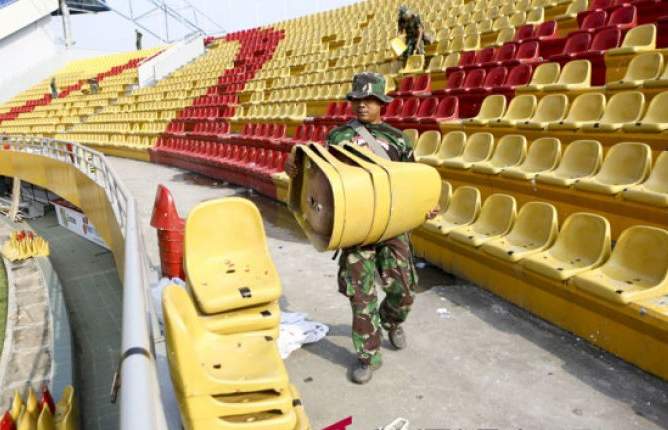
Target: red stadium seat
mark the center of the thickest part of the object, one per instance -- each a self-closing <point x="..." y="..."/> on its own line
<point x="593" y="20"/>
<point x="523" y="32"/>
<point x="405" y="86"/>
<point x="576" y="43"/>
<point x="427" y="109"/>
<point x="394" y="108"/>
<point x="517" y="76"/>
<point x="546" y="30"/>
<point x="623" y="17"/>
<point x="448" y="108"/>
<point x="421" y="85"/>
<point x="505" y="53"/>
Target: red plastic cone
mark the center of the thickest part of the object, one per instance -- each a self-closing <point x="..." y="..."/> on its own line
<point x="7" y="423"/>
<point x="47" y="400"/>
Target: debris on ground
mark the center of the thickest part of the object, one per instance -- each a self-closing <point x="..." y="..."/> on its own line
<point x="296" y="330"/>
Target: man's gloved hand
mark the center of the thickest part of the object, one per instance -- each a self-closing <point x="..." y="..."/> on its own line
<point x="432" y="213"/>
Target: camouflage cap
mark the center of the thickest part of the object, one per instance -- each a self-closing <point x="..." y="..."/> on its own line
<point x="368" y="84"/>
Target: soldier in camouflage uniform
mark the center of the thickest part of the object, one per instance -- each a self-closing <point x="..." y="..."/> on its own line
<point x="391" y="259"/>
<point x="411" y="24"/>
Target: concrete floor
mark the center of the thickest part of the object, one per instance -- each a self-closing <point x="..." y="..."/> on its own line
<point x="483" y="364"/>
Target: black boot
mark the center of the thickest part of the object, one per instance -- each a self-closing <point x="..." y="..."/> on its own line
<point x="363" y="372"/>
<point x="397" y="337"/>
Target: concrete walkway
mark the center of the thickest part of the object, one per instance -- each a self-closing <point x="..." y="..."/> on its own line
<point x="93" y="292"/>
<point x="483" y="364"/>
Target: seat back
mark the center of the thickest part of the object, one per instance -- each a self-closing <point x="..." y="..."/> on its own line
<point x="551" y="108"/>
<point x="497" y="215"/>
<point x="523" y="32"/>
<point x="422" y="83"/>
<point x="427" y="143"/>
<point x="412" y="135"/>
<point x="394" y="107"/>
<point x="528" y="51"/>
<point x="536" y="226"/>
<point x="448" y="107"/>
<point x="471" y="42"/>
<point x="427" y="107"/>
<point x="658" y="177"/>
<point x="587" y="107"/>
<point x="645" y="66"/>
<point x="626" y="163"/>
<point x="640" y="256"/>
<point x="543" y="155"/>
<point x="452" y="145"/>
<point x="594" y="19"/>
<point x="642" y="36"/>
<point x="519" y="75"/>
<point x="521" y="107"/>
<point x="492" y="107"/>
<point x="625" y="16"/>
<point x="406" y="84"/>
<point x="657" y="111"/>
<point x="410" y="107"/>
<point x="496" y="77"/>
<point x="485" y="55"/>
<point x="606" y="38"/>
<point x="474" y="78"/>
<point x="505" y="35"/>
<point x="464" y="206"/>
<point x="581" y="158"/>
<point x="479" y="147"/>
<point x="467" y="58"/>
<point x="451" y="60"/>
<point x="577" y="43"/>
<point x="546" y="30"/>
<point x="624" y="107"/>
<point x="585" y="238"/>
<point x="446" y="194"/>
<point x="436" y="63"/>
<point x="506" y="52"/>
<point x="546" y="73"/>
<point x="456" y="79"/>
<point x="510" y="151"/>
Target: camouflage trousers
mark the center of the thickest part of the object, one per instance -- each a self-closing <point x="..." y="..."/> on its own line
<point x="413" y="46"/>
<point x="358" y="266"/>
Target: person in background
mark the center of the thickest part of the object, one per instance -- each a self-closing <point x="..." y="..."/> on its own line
<point x="94" y="85"/>
<point x="392" y="259"/>
<point x="138" y="37"/>
<point x="410" y="24"/>
<point x="54" y="88"/>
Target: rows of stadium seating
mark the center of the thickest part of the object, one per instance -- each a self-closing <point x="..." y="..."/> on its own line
<point x="579" y="249"/>
<point x="221" y="332"/>
<point x="36" y="112"/>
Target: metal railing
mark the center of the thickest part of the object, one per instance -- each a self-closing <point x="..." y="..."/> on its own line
<point x="140" y="401"/>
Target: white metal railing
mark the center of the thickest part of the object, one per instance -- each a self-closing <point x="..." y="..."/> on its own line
<point x="140" y="404"/>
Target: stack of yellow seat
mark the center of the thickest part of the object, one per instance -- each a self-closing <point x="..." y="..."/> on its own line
<point x="43" y="414"/>
<point x="350" y="196"/>
<point x="224" y="361"/>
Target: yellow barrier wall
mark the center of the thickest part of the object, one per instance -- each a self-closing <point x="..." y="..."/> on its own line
<point x="69" y="183"/>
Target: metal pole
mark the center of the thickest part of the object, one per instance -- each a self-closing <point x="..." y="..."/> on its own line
<point x="67" y="23"/>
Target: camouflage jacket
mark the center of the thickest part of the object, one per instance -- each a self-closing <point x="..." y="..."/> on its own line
<point x="393" y="140"/>
<point x="411" y="25"/>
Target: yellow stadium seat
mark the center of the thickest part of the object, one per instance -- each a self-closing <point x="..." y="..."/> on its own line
<point x="661" y="81"/>
<point x="535" y="229"/>
<point x="462" y="210"/>
<point x="45" y="420"/>
<point x="456" y="44"/>
<point x="656" y="117"/>
<point x="302" y="419"/>
<point x="573" y="9"/>
<point x="574" y="75"/>
<point x="518" y="18"/>
<point x="581" y="159"/>
<point x="414" y="64"/>
<point x="587" y="108"/>
<point x="228" y="267"/>
<point x="501" y="22"/>
<point x="67" y="410"/>
<point x="451" y="60"/>
<point x="471" y="42"/>
<point x="484" y="26"/>
<point x="204" y="364"/>
<point x="520" y="109"/>
<point x="436" y="64"/>
<point x="582" y="244"/>
<point x="551" y="108"/>
<point x="255" y="318"/>
<point x="637" y="268"/>
<point x="479" y="147"/>
<point x="504" y="35"/>
<point x="544" y="75"/>
<point x="654" y="191"/>
<point x="492" y="108"/>
<point x="510" y="151"/>
<point x="543" y="155"/>
<point x="623" y="108"/>
<point x="427" y="144"/>
<point x="412" y="135"/>
<point x="536" y="15"/>
<point x="446" y="195"/>
<point x="643" y="67"/>
<point x="451" y="146"/>
<point x="626" y="164"/>
<point x="497" y="216"/>
<point x="638" y="39"/>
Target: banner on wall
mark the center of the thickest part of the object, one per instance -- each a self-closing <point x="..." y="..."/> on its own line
<point x="71" y="217"/>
